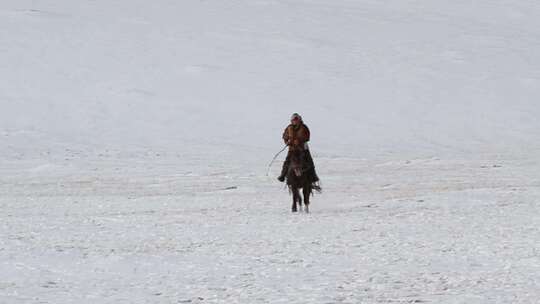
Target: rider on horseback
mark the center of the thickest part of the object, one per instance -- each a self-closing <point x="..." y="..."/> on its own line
<point x="296" y="136"/>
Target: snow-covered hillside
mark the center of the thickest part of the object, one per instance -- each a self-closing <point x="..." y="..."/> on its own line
<point x="135" y="138"/>
<point x="415" y="77"/>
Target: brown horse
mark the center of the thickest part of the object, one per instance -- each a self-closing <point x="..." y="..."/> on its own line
<point x="299" y="177"/>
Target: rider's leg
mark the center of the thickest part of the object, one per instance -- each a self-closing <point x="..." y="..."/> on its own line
<point x="285" y="168"/>
<point x="312" y="166"/>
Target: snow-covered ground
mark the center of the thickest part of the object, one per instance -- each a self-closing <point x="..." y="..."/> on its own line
<point x="135" y="138"/>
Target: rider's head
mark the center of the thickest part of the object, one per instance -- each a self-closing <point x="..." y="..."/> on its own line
<point x="296" y="119"/>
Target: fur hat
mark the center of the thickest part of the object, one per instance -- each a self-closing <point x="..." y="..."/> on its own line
<point x="296" y="115"/>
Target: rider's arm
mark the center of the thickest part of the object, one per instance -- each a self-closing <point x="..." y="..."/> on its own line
<point x="286" y="135"/>
<point x="308" y="133"/>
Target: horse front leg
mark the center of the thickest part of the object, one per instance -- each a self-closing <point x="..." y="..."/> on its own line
<point x="295" y="195"/>
<point x="307" y="193"/>
<point x="299" y="201"/>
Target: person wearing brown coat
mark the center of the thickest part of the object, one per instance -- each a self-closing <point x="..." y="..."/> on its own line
<point x="296" y="136"/>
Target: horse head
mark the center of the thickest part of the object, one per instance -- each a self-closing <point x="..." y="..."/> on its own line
<point x="298" y="163"/>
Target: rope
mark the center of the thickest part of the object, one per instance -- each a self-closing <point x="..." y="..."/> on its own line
<point x="274" y="159"/>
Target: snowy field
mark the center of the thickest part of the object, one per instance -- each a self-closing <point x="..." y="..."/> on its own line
<point x="135" y="138"/>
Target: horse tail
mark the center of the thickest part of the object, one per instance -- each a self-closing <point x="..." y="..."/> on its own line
<point x="316" y="186"/>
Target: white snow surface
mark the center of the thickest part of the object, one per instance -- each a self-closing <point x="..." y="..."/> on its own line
<point x="135" y="138"/>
